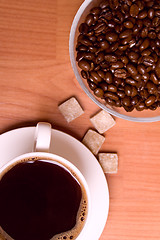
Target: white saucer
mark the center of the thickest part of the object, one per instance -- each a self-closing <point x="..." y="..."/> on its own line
<point x="20" y="141"/>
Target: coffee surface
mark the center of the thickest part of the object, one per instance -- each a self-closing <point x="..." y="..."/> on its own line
<point x="39" y="200"/>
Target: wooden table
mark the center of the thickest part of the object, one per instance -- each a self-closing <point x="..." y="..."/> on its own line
<point x="36" y="76"/>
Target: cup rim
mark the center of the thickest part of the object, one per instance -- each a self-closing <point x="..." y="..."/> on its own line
<point x="75" y="70"/>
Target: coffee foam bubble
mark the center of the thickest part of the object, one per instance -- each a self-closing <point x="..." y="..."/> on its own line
<point x="81" y="218"/>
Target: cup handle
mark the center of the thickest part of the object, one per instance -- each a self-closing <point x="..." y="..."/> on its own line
<point x="42" y="137"/>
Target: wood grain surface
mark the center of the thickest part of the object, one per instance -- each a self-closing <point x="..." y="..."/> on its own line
<point x="36" y="76"/>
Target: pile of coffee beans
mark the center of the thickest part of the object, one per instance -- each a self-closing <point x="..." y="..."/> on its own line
<point x="118" y="53"/>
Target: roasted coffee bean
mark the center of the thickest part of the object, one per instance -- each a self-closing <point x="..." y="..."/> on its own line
<point x="140" y="106"/>
<point x="96" y="10"/>
<point x="146" y="52"/>
<point x="134" y="10"/>
<point x="141" y="68"/>
<point x="84" y="74"/>
<point x="142" y="14"/>
<point x="147" y="22"/>
<point x="89" y="19"/>
<point x="136" y="30"/>
<point x="80" y="56"/>
<point x="91" y="85"/>
<point x="128" y="108"/>
<point x="139" y="23"/>
<point x="140" y="5"/>
<point x="96" y="76"/>
<point x="126" y="101"/>
<point x="100" y="57"/>
<point x="93" y="80"/>
<point x="99" y="92"/>
<point x="131" y="81"/>
<point x="145" y="76"/>
<point x="135" y="100"/>
<point x="104" y="65"/>
<point x="132" y="42"/>
<point x="110" y="58"/>
<point x="128" y="90"/>
<point x="101" y="74"/>
<point x="104" y="44"/>
<point x="89" y="56"/>
<point x="121" y="94"/>
<point x="131" y="69"/>
<point x="92" y="49"/>
<point x="125" y="33"/>
<point x="155" y="21"/>
<point x="123" y="47"/>
<point x="127" y="40"/>
<point x="128" y="24"/>
<point x="144" y="45"/>
<point x="118" y="103"/>
<point x="104" y="86"/>
<point x="86" y="41"/>
<point x="117" y="65"/>
<point x="97" y="67"/>
<point x="84" y="65"/>
<point x="92" y="38"/>
<point x="110" y="101"/>
<point x="144" y="32"/>
<point x="104" y="4"/>
<point x="150" y="68"/>
<point x="154" y="106"/>
<point x="83" y="28"/>
<point x="149" y="101"/>
<point x="134" y="92"/>
<point x="112" y="88"/>
<point x="151" y="87"/>
<point x="111" y="95"/>
<point x="144" y="94"/>
<point x="152" y="35"/>
<point x="137" y="77"/>
<point x="118" y="53"/>
<point x="118" y="28"/>
<point x="154" y="78"/>
<point x="108" y="77"/>
<point x="111" y="36"/>
<point x="125" y="60"/>
<point x="99" y="27"/>
<point x="151" y="13"/>
<point x="133" y="56"/>
<point x="148" y="61"/>
<point x="82" y="48"/>
<point x="120" y="73"/>
<point x="111" y="24"/>
<point x="100" y="38"/>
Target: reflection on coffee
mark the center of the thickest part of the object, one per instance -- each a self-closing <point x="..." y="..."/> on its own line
<point x="40" y="200"/>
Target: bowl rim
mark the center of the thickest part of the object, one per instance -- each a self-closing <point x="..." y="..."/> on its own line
<point x="74" y="66"/>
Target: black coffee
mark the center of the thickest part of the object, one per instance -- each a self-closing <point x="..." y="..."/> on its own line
<point x="39" y="200"/>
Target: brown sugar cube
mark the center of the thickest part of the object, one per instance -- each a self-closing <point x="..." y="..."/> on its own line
<point x="102" y="121"/>
<point x="93" y="141"/>
<point x="70" y="109"/>
<point x="108" y="162"/>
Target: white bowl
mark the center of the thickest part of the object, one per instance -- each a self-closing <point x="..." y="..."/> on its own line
<point x="136" y="116"/>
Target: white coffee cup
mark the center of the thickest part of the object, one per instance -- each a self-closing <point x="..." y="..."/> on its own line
<point x="41" y="152"/>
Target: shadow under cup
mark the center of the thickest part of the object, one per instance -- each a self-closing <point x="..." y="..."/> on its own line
<point x="42" y="197"/>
